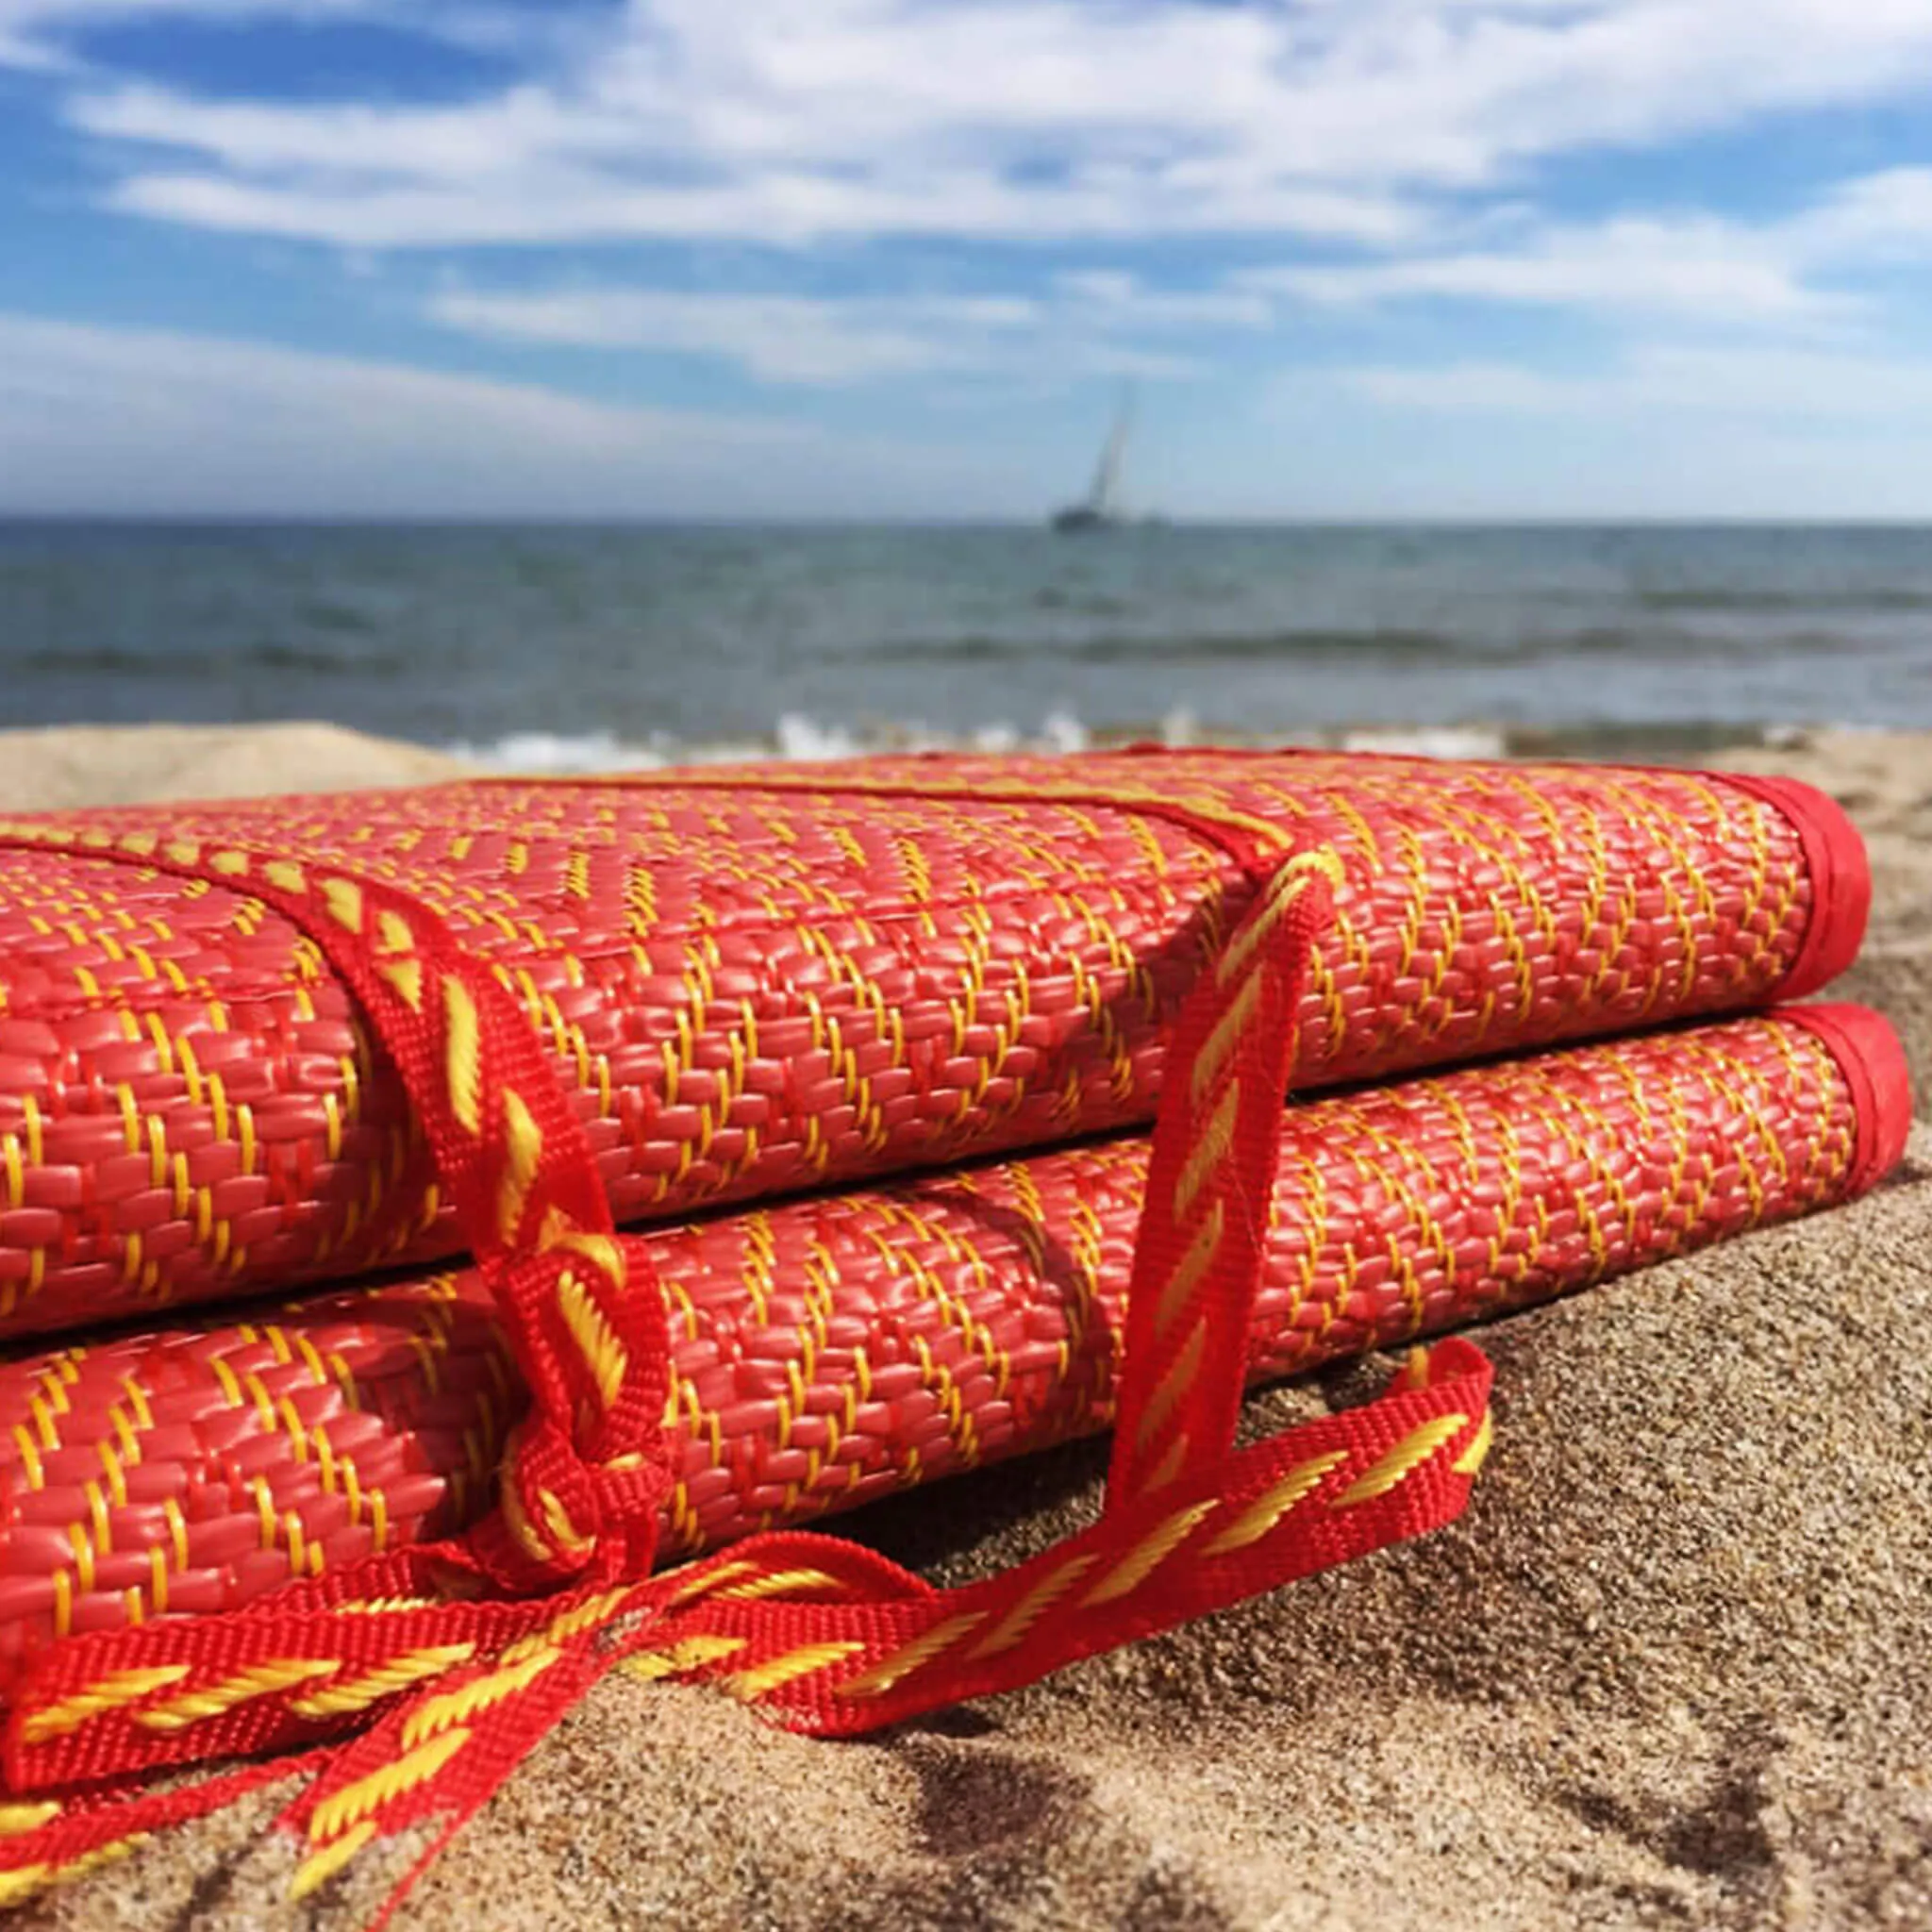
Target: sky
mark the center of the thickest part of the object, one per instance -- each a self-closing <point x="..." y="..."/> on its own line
<point x="1429" y="259"/>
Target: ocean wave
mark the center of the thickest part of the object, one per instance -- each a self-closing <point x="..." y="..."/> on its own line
<point x="1749" y="601"/>
<point x="335" y="616"/>
<point x="1211" y="647"/>
<point x="175" y="663"/>
<point x="1397" y="648"/>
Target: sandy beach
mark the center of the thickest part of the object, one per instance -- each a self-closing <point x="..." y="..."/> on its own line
<point x="1667" y="1670"/>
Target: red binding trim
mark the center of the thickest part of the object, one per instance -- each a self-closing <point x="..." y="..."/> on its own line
<point x="1840" y="880"/>
<point x="1873" y="1061"/>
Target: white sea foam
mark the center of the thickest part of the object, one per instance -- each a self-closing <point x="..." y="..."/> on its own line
<point x="794" y="737"/>
<point x="556" y="752"/>
<point x="1432" y="742"/>
<point x="807" y="742"/>
<point x="1065" y="733"/>
<point x="803" y="740"/>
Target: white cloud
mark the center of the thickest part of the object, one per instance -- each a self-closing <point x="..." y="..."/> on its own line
<point x="1792" y="390"/>
<point x="797" y="119"/>
<point x="353" y="200"/>
<point x="1461" y="388"/>
<point x="1086" y="321"/>
<point x="1683" y="266"/>
<point x="1694" y="266"/>
<point x="775" y="337"/>
<point x="1113" y="298"/>
<point x="1883" y="216"/>
<point x="1689" y="272"/>
<point x="123" y="422"/>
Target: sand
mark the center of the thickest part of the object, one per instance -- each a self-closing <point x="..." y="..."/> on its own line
<point x="1670" y="1669"/>
<point x="129" y="764"/>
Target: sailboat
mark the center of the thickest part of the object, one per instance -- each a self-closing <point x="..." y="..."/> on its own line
<point x="1099" y="509"/>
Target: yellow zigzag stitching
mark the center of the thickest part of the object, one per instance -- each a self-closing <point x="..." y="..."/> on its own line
<point x="524" y="1141"/>
<point x="16" y="1819"/>
<point x="749" y="1685"/>
<point x="343" y="1817"/>
<point x="108" y="1693"/>
<point x="465" y="1055"/>
<point x="317" y="1869"/>
<point x="456" y="1707"/>
<point x="1472" y="1458"/>
<point x="28" y="1879"/>
<point x="781" y="1583"/>
<point x="354" y="1802"/>
<point x="1290" y="884"/>
<point x="1395" y="1464"/>
<point x="411" y="1667"/>
<point x="1031" y="1607"/>
<point x="1272" y="1504"/>
<point x="257" y="1680"/>
<point x="1193" y="1265"/>
<point x="1208" y="1152"/>
<point x="911" y="1657"/>
<point x="571" y="1623"/>
<point x="688" y="1654"/>
<point x="607" y="1357"/>
<point x="1220" y="1042"/>
<point x="1147" y="1555"/>
<point x="1178" y="1375"/>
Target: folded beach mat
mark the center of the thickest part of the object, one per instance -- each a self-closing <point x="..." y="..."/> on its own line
<point x="832" y="1350"/>
<point x="757" y="980"/>
<point x="1022" y="951"/>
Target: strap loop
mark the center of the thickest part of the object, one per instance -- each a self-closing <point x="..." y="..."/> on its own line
<point x="1210" y="1185"/>
<point x="561" y="1517"/>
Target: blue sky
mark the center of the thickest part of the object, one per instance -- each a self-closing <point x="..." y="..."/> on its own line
<point x="1357" y="257"/>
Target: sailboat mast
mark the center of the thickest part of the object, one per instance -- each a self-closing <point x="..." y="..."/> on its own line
<point x="1101" y="508"/>
<point x="1106" y="476"/>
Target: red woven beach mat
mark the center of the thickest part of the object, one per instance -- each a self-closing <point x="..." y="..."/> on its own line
<point x="755" y="981"/>
<point x="831" y="1350"/>
<point x="262" y="1045"/>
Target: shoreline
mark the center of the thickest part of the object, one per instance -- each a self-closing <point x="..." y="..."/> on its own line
<point x="58" y="767"/>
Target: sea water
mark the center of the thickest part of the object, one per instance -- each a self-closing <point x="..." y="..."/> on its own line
<point x="575" y="647"/>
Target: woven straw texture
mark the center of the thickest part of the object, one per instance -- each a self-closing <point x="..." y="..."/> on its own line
<point x="753" y="988"/>
<point x="832" y="1350"/>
